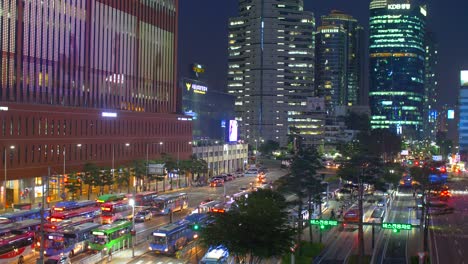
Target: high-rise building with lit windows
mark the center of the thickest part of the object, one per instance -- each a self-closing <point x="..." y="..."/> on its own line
<point x="86" y="82"/>
<point x="430" y="86"/>
<point x="397" y="66"/>
<point x="271" y="70"/>
<point x="339" y="44"/>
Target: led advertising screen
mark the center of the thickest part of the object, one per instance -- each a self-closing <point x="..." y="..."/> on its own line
<point x="464" y="78"/>
<point x="451" y="114"/>
<point x="232" y="130"/>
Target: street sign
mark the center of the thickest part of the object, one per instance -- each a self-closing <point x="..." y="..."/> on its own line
<point x="396" y="226"/>
<point x="322" y="222"/>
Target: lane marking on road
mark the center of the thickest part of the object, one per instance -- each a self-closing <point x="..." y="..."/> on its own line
<point x="456" y="242"/>
<point x="139" y="262"/>
<point x="460" y="252"/>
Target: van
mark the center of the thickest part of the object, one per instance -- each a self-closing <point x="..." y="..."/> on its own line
<point x="216" y="255"/>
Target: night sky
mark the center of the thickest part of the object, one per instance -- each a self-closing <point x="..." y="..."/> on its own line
<point x="203" y="36"/>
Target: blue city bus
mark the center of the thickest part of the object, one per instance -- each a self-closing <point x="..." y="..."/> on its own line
<point x="172" y="237"/>
<point x="164" y="204"/>
<point x="25" y="214"/>
<point x="69" y="241"/>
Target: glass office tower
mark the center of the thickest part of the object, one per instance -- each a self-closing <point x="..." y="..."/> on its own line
<point x="397" y="57"/>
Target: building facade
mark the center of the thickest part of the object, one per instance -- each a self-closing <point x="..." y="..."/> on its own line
<point x="210" y="110"/>
<point x="86" y="82"/>
<point x="430" y="86"/>
<point x="463" y="116"/>
<point x="397" y="65"/>
<point x="225" y="158"/>
<point x="339" y="49"/>
<point x="271" y="69"/>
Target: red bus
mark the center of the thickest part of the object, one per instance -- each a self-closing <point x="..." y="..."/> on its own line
<point x="112" y="211"/>
<point x="72" y="205"/>
<point x="57" y="226"/>
<point x="17" y="246"/>
<point x="91" y="212"/>
<point x="145" y="198"/>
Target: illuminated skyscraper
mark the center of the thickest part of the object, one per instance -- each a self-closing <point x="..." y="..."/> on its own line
<point x="397" y="65"/>
<point x="430" y="87"/>
<point x="339" y="43"/>
<point x="271" y="70"/>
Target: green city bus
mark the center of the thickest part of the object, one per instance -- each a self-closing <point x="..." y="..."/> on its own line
<point x="111" y="237"/>
<point x="110" y="197"/>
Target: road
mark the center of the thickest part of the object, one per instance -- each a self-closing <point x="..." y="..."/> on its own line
<point x="449" y="232"/>
<point x="196" y="195"/>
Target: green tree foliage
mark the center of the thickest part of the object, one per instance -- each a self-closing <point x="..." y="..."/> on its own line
<point x="122" y="178"/>
<point x="139" y="170"/>
<point x="73" y="184"/>
<point x="106" y="179"/>
<point x="370" y="169"/>
<point x="258" y="230"/>
<point x="268" y="147"/>
<point x="91" y="176"/>
<point x="303" y="180"/>
<point x="381" y="143"/>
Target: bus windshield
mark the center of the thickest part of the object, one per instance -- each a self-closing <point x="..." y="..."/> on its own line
<point x="55" y="242"/>
<point x="99" y="239"/>
<point x="159" y="205"/>
<point x="160" y="240"/>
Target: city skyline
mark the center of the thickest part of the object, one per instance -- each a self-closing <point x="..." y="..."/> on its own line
<point x="207" y="33"/>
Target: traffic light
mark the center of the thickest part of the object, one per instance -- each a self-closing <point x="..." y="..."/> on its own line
<point x="195" y="227"/>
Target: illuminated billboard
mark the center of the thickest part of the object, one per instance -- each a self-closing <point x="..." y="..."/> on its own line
<point x="233" y="131"/>
<point x="464" y="78"/>
<point x="196" y="88"/>
<point x="451" y="114"/>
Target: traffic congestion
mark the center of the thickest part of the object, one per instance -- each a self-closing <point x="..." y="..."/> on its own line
<point x="73" y="231"/>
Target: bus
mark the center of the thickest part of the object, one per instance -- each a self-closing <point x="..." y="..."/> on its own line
<point x="111" y="237"/>
<point x="111" y="197"/>
<point x="91" y="212"/>
<point x="165" y="204"/>
<point x="57" y="226"/>
<point x="206" y="207"/>
<point x="17" y="246"/>
<point x="72" y="205"/>
<point x="69" y="241"/>
<point x="25" y="214"/>
<point x="351" y="217"/>
<point x="172" y="237"/>
<point x="145" y="198"/>
<point x="112" y="211"/>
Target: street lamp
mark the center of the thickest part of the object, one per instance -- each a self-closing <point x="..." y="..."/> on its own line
<point x="5" y="169"/>
<point x="131" y="202"/>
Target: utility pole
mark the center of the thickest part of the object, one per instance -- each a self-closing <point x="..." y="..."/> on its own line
<point x="360" y="228"/>
<point x="45" y="180"/>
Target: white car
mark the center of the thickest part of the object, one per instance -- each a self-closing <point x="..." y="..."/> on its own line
<point x="251" y="172"/>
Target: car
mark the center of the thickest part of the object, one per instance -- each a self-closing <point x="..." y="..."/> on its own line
<point x="251" y="172"/>
<point x="217" y="182"/>
<point x="229" y="177"/>
<point x="239" y="174"/>
<point x="144" y="215"/>
<point x="383" y="202"/>
<point x="58" y="259"/>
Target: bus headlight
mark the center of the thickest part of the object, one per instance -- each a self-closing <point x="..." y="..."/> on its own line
<point x="149" y="248"/>
<point x="105" y="248"/>
<point x="166" y="250"/>
<point x="195" y="236"/>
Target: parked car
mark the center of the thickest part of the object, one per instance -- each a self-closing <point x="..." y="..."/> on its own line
<point x="142" y="216"/>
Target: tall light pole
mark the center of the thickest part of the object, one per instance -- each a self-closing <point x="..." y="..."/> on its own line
<point x="5" y="170"/>
<point x="131" y="202"/>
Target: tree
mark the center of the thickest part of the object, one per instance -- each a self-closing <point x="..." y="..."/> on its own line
<point x="73" y="184"/>
<point x="362" y="169"/>
<point x="268" y="147"/>
<point x="170" y="164"/>
<point x="302" y="180"/>
<point x="139" y="169"/>
<point x="106" y="179"/>
<point x="123" y="178"/>
<point x="257" y="230"/>
<point x="91" y="176"/>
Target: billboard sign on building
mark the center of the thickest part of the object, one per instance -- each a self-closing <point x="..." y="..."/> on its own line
<point x="233" y="134"/>
<point x="464" y="78"/>
<point x="315" y="104"/>
<point x="196" y="87"/>
<point x="450" y="114"/>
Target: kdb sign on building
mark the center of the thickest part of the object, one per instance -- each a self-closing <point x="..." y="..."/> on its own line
<point x="196" y="88"/>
